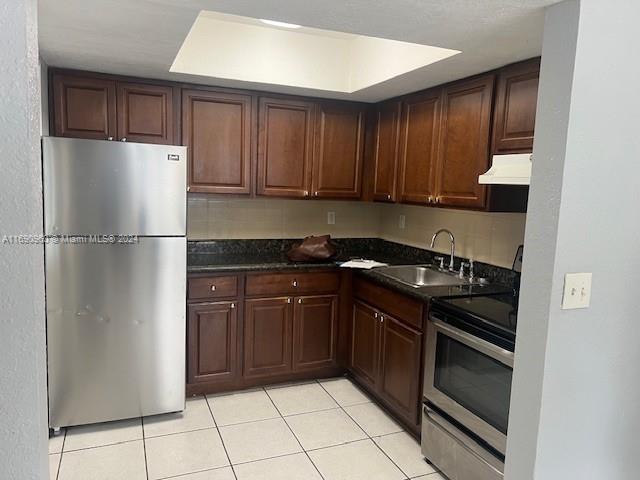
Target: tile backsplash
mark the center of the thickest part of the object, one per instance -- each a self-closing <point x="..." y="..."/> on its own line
<point x="219" y="218"/>
<point x="487" y="237"/>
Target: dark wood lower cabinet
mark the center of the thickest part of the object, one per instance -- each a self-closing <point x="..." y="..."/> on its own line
<point x="212" y="336"/>
<point x="365" y="344"/>
<point x="400" y="367"/>
<point x="315" y="329"/>
<point x="239" y="336"/>
<point x="267" y="336"/>
<point x="386" y="359"/>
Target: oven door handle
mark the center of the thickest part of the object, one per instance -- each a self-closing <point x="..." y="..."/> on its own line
<point x="488" y="348"/>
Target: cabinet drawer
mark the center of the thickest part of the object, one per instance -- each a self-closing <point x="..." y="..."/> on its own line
<point x="212" y="287"/>
<point x="292" y="283"/>
<point x="402" y="307"/>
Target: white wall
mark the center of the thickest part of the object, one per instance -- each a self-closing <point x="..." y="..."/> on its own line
<point x="44" y="95"/>
<point x="23" y="394"/>
<point x="576" y="393"/>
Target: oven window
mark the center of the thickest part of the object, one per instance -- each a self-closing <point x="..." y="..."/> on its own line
<point x="476" y="381"/>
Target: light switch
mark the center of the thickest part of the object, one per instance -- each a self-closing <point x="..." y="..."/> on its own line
<point x="577" y="291"/>
<point x="331" y="218"/>
<point x="402" y="222"/>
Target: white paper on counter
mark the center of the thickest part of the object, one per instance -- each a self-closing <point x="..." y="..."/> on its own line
<point x="362" y="263"/>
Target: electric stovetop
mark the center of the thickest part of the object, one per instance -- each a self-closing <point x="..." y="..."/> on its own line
<point x="495" y="313"/>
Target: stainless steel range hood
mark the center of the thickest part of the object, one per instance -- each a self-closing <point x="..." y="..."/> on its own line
<point x="508" y="170"/>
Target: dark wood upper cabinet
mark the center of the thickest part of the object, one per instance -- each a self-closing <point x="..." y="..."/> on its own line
<point x="268" y="336"/>
<point x="365" y="344"/>
<point x="216" y="128"/>
<point x="386" y="151"/>
<point x="463" y="151"/>
<point x="339" y="145"/>
<point x="515" y="109"/>
<point x="400" y="367"/>
<point x="420" y="130"/>
<point x="285" y="147"/>
<point x="146" y="113"/>
<point x="83" y="107"/>
<point x="212" y="335"/>
<point x="315" y="330"/>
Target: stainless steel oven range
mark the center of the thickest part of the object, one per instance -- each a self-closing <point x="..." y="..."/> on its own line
<point x="467" y="385"/>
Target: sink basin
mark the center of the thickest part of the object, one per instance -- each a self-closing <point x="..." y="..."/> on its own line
<point x="423" y="276"/>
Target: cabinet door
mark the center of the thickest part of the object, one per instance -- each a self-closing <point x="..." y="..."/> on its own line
<point x="386" y="151"/>
<point x="463" y="153"/>
<point x="400" y="368"/>
<point x="285" y="147"/>
<point x="145" y="113"/>
<point x="515" y="111"/>
<point x="337" y="161"/>
<point x="267" y="336"/>
<point x="419" y="134"/>
<point x="84" y="107"/>
<point x="315" y="329"/>
<point x="212" y="342"/>
<point x="216" y="128"/>
<point x="365" y="344"/>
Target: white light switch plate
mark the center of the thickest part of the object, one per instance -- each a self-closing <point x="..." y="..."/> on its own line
<point x="331" y="218"/>
<point x="577" y="291"/>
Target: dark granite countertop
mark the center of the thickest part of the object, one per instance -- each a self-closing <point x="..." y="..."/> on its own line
<point x="216" y="262"/>
<point x="269" y="255"/>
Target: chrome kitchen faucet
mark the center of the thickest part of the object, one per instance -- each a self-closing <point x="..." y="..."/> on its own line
<point x="453" y="244"/>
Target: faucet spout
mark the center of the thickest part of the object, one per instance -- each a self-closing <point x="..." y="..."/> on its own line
<point x="453" y="244"/>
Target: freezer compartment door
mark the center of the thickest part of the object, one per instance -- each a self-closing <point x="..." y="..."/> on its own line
<point x="109" y="188"/>
<point x="115" y="330"/>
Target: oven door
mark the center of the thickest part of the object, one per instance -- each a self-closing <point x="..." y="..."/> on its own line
<point x="469" y="379"/>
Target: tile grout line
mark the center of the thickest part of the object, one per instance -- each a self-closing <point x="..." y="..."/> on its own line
<point x="294" y="435"/>
<point x="64" y="439"/>
<point x="111" y="444"/>
<point x="144" y="448"/>
<point x="179" y="476"/>
<point x="367" y="433"/>
<point x="224" y="447"/>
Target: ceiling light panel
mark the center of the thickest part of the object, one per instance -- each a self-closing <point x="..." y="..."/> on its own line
<point x="276" y="53"/>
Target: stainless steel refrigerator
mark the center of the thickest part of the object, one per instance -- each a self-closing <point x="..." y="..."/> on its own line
<point x="115" y="253"/>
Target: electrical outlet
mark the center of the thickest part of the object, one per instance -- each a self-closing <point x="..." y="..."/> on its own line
<point x="331" y="218"/>
<point x="402" y="221"/>
<point x="577" y="291"/>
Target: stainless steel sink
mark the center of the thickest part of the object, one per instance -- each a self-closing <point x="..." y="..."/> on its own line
<point x="423" y="276"/>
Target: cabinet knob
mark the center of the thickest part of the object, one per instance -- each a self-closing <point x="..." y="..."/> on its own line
<point x="375" y="314"/>
<point x="233" y="305"/>
<point x="288" y="300"/>
<point x="438" y="199"/>
<point x="213" y="288"/>
<point x="299" y="300"/>
<point x="306" y="193"/>
<point x="388" y="196"/>
<point x="123" y="139"/>
<point x="294" y="283"/>
<point x="109" y="138"/>
<point x="315" y="193"/>
<point x="381" y="318"/>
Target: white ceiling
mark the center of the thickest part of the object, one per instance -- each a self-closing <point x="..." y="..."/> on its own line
<point x="142" y="37"/>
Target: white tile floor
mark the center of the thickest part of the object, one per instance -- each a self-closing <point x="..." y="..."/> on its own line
<point x="325" y="430"/>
